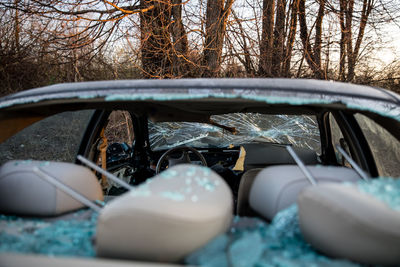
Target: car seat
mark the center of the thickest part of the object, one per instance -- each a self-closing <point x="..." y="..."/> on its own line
<point x="277" y="187"/>
<point x="168" y="217"/>
<point x="23" y="192"/>
<point x="343" y="222"/>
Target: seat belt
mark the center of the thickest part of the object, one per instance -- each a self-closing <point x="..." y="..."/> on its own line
<point x="301" y="165"/>
<point x="102" y="147"/>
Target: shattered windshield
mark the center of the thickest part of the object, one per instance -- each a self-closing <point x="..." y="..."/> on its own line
<point x="299" y="130"/>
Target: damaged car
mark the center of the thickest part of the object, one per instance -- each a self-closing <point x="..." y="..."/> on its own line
<point x="207" y="172"/>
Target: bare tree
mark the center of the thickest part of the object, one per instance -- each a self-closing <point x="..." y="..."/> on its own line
<point x="294" y="9"/>
<point x="346" y="15"/>
<point x="155" y="39"/>
<point x="278" y="36"/>
<point x="100" y="22"/>
<point x="88" y="39"/>
<point x="240" y="46"/>
<point x="267" y="42"/>
<point x="179" y="36"/>
<point x="312" y="55"/>
<point x="216" y="18"/>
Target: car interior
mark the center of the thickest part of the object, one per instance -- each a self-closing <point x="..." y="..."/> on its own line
<point x="190" y="168"/>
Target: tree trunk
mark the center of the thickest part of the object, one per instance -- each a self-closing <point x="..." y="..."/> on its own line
<point x="349" y="40"/>
<point x="216" y="19"/>
<point x="155" y="39"/>
<point x="366" y="10"/>
<point x="279" y="38"/>
<point x="267" y="36"/>
<point x="16" y="28"/>
<point x="179" y="37"/>
<point x="318" y="34"/>
<point x="342" y="60"/>
<point x="290" y="41"/>
<point x="346" y="41"/>
<point x="305" y="39"/>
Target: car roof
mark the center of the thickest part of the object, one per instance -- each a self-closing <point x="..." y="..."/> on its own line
<point x="291" y="87"/>
<point x="197" y="99"/>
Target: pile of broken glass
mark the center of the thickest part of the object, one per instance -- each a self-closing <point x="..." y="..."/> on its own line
<point x="249" y="242"/>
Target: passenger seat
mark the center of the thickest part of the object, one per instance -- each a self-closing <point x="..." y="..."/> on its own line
<point x="344" y="222"/>
<point x="277" y="187"/>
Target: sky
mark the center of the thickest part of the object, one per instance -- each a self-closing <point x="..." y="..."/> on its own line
<point x="391" y="52"/>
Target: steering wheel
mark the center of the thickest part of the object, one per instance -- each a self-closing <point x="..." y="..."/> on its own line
<point x="183" y="159"/>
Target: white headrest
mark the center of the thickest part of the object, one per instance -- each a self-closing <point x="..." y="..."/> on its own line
<point x="175" y="213"/>
<point x="23" y="192"/>
<point x="276" y="188"/>
<point x="345" y="223"/>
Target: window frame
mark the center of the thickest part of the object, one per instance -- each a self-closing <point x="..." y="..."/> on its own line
<point x="359" y="148"/>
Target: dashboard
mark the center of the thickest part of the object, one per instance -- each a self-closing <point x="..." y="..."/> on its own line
<point x="223" y="161"/>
